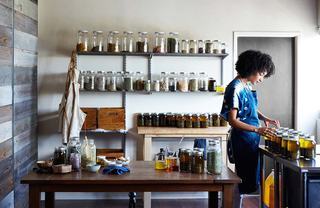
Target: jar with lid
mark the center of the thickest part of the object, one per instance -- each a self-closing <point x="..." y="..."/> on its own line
<point x="278" y="141"/>
<point x="216" y="47"/>
<point x="293" y="147"/>
<point x="162" y="119"/>
<point x="302" y="146"/>
<point x="82" y="44"/>
<point x="195" y="121"/>
<point x="197" y="162"/>
<point x="159" y="43"/>
<point x="100" y="81"/>
<point x="113" y="42"/>
<point x="97" y="41"/>
<point x="180" y="120"/>
<point x="209" y="46"/>
<point x="147" y="119"/>
<point x="310" y="147"/>
<point x="173" y="82"/>
<point x="201" y="46"/>
<point x="127" y="42"/>
<point x="172" y="164"/>
<point x="112" y="82"/>
<point x="173" y="42"/>
<point x="75" y="161"/>
<point x="210" y="119"/>
<point x="73" y="146"/>
<point x="147" y="85"/>
<point x="89" y="80"/>
<point x="183" y="82"/>
<point x="212" y="84"/>
<point x="140" y="119"/>
<point x="173" y="120"/>
<point x="164" y="82"/>
<point x="214" y="157"/>
<point x="139" y="81"/>
<point x="284" y="144"/>
<point x="185" y="158"/>
<point x="188" y="120"/>
<point x="156" y="85"/>
<point x="223" y="122"/>
<point x="203" y="81"/>
<point x="223" y="48"/>
<point x="81" y="81"/>
<point x="193" y="82"/>
<point x="160" y="163"/>
<point x="60" y="155"/>
<point x="142" y="45"/>
<point x="193" y="46"/>
<point x="216" y="119"/>
<point x="119" y="81"/>
<point x="92" y="152"/>
<point x="204" y="120"/>
<point x="185" y="46"/>
<point x="155" y="120"/>
<point x="128" y="82"/>
<point x="168" y="119"/>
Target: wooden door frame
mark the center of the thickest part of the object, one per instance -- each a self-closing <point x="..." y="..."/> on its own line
<point x="266" y="34"/>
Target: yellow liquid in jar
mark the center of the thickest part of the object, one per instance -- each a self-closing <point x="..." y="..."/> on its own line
<point x="161" y="165"/>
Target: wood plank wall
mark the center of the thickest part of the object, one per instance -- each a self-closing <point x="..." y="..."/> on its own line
<point x="18" y="98"/>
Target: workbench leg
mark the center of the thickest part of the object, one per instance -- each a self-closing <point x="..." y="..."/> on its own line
<point x="213" y="199"/>
<point x="49" y="199"/>
<point x="132" y="200"/>
<point x="276" y="184"/>
<point x="147" y="199"/>
<point x="34" y="196"/>
<point x="227" y="201"/>
<point x="262" y="176"/>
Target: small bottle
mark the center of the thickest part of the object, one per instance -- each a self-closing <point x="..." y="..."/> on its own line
<point x="92" y="152"/>
<point x="127" y="41"/>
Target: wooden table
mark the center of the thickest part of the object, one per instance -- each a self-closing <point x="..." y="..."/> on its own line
<point x="142" y="178"/>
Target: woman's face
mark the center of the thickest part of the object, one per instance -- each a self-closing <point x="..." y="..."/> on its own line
<point x="257" y="77"/>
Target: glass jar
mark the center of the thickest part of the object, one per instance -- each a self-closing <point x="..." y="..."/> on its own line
<point x="156" y="85"/>
<point x="128" y="82"/>
<point x="212" y="84"/>
<point x="180" y="120"/>
<point x="82" y="77"/>
<point x="97" y="41"/>
<point x="173" y="120"/>
<point x="127" y="42"/>
<point x="284" y="145"/>
<point x="113" y="42"/>
<point x="100" y="81"/>
<point x="172" y="164"/>
<point x="164" y="82"/>
<point x="266" y="141"/>
<point x="168" y="119"/>
<point x="204" y="120"/>
<point x="302" y="147"/>
<point x="160" y="163"/>
<point x="223" y="48"/>
<point x="155" y="120"/>
<point x="193" y="46"/>
<point x="183" y="82"/>
<point x="209" y="46"/>
<point x="185" y="158"/>
<point x="201" y="46"/>
<point x="173" y="82"/>
<point x="147" y="86"/>
<point x="214" y="157"/>
<point x="140" y="119"/>
<point x="188" y="120"/>
<point x="216" y="119"/>
<point x="185" y="46"/>
<point x="310" y="147"/>
<point x="210" y="119"/>
<point x="173" y="42"/>
<point x="223" y="122"/>
<point x="89" y="80"/>
<point x="142" y="45"/>
<point x="82" y="44"/>
<point x="147" y="119"/>
<point x="195" y="121"/>
<point x="75" y="161"/>
<point x="60" y="155"/>
<point x="278" y="141"/>
<point x="139" y="81"/>
<point x="162" y="120"/>
<point x="92" y="152"/>
<point x="119" y="81"/>
<point x="293" y="147"/>
<point x="216" y="47"/>
<point x="112" y="82"/>
<point x="193" y="82"/>
<point x="73" y="146"/>
<point x="203" y="81"/>
<point x="197" y="162"/>
<point x="159" y="43"/>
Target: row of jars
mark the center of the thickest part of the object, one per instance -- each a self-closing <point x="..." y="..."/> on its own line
<point x="161" y="43"/>
<point x="291" y="144"/>
<point x="136" y="81"/>
<point x="180" y="120"/>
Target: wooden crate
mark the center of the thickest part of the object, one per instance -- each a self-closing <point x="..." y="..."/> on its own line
<point x="110" y="153"/>
<point x="91" y="119"/>
<point x="111" y="118"/>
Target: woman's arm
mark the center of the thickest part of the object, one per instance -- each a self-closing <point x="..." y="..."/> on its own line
<point x="267" y="120"/>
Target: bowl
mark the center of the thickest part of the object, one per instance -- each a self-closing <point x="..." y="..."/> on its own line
<point x="93" y="168"/>
<point x="44" y="164"/>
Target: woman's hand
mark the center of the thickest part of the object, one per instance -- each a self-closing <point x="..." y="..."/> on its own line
<point x="264" y="131"/>
<point x="268" y="121"/>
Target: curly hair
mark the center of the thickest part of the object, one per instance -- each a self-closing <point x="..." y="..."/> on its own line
<point x="250" y="62"/>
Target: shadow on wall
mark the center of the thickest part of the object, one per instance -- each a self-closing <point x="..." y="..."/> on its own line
<point x="53" y="84"/>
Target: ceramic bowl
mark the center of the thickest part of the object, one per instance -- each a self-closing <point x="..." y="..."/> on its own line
<point x="93" y="168"/>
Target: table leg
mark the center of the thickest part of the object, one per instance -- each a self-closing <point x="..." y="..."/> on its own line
<point x="147" y="200"/>
<point x="213" y="199"/>
<point x="34" y="196"/>
<point x="262" y="176"/>
<point x="49" y="199"/>
<point x="132" y="200"/>
<point x="227" y="201"/>
<point x="276" y="184"/>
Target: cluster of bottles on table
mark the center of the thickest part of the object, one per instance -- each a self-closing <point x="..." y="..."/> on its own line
<point x="180" y="120"/>
<point x="137" y="81"/>
<point x="291" y="144"/>
<point x="191" y="161"/>
<point x="160" y="43"/>
<point x="76" y="154"/>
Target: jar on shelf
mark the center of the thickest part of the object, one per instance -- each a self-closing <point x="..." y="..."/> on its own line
<point x="140" y="119"/>
<point x="278" y="141"/>
<point x="60" y="155"/>
<point x="293" y="147"/>
<point x="139" y="81"/>
<point x="195" y="121"/>
<point x="210" y="119"/>
<point x="173" y="82"/>
<point x="164" y="82"/>
<point x="224" y="48"/>
<point x="193" y="82"/>
<point x="73" y="146"/>
<point x="82" y="44"/>
<point x="100" y="81"/>
<point x="159" y="43"/>
<point x="155" y="120"/>
<point x="302" y="147"/>
<point x="209" y="46"/>
<point x="193" y="46"/>
<point x="112" y="82"/>
<point x="128" y="82"/>
<point x="197" y="162"/>
<point x="214" y="157"/>
<point x="113" y="42"/>
<point x="82" y="77"/>
<point x="203" y="81"/>
<point x="216" y="120"/>
<point x="180" y="120"/>
<point x="147" y="85"/>
<point x="216" y="47"/>
<point x="156" y="85"/>
<point x="173" y="42"/>
<point x="97" y="41"/>
<point x="185" y="46"/>
<point x="212" y="84"/>
<point x="89" y="80"/>
<point x="142" y="44"/>
<point x="201" y="46"/>
<point x="127" y="42"/>
<point x="119" y="81"/>
<point x="168" y="119"/>
<point x="204" y="120"/>
<point x="310" y="147"/>
<point x="223" y="122"/>
<point x="183" y="82"/>
<point x="147" y="119"/>
<point x="188" y="120"/>
<point x="185" y="157"/>
<point x="162" y="120"/>
<point x="173" y="120"/>
<point x="284" y="144"/>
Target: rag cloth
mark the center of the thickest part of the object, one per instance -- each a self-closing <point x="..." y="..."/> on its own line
<point x="115" y="170"/>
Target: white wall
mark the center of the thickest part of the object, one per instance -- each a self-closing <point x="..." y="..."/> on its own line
<point x="204" y="19"/>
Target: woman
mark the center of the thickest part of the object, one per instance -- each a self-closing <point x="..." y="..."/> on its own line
<point x="240" y="109"/>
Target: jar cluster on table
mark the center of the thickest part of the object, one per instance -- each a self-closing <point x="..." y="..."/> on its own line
<point x="291" y="144"/>
<point x="180" y="120"/>
<point x="143" y="42"/>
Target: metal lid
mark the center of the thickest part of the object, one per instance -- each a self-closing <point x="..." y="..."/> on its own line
<point x="143" y="33"/>
<point x="97" y="32"/>
<point x="173" y="33"/>
<point x="159" y="33"/>
<point x="82" y="31"/>
<point x="127" y="32"/>
<point x="185" y="40"/>
<point x="197" y="153"/>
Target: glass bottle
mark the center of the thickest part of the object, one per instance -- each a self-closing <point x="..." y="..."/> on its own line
<point x="82" y="44"/>
<point x="185" y="158"/>
<point x="188" y="120"/>
<point x="147" y="85"/>
<point x="89" y="80"/>
<point x="100" y="81"/>
<point x="92" y="152"/>
<point x="195" y="121"/>
<point x="164" y="82"/>
<point x="284" y="144"/>
<point x="183" y="82"/>
<point x="60" y="155"/>
<point x="142" y="45"/>
<point x="160" y="160"/>
<point x="209" y="46"/>
<point x="119" y="81"/>
<point x="112" y="85"/>
<point x="310" y="147"/>
<point x="82" y="79"/>
<point x="147" y="119"/>
<point x="214" y="157"/>
<point x="155" y="120"/>
<point x="97" y="41"/>
<point x="193" y="46"/>
<point x="201" y="46"/>
<point x="185" y="46"/>
<point x="223" y="48"/>
<point x="113" y="42"/>
<point x="173" y="42"/>
<point x="212" y="84"/>
<point x="159" y="44"/>
<point x="302" y="146"/>
<point x="162" y="119"/>
<point x="203" y="81"/>
<point x="193" y="82"/>
<point x="173" y="82"/>
<point x="223" y="122"/>
<point x="180" y="120"/>
<point x="216" y="47"/>
<point x="197" y="162"/>
<point x="216" y="119"/>
<point x="139" y="81"/>
<point x="293" y="147"/>
<point x="204" y="121"/>
<point x="73" y="146"/>
<point x="128" y="82"/>
<point x="140" y="119"/>
<point x="127" y="42"/>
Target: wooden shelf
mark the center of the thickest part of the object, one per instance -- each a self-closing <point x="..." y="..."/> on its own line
<point x="120" y="131"/>
<point x="152" y="92"/>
